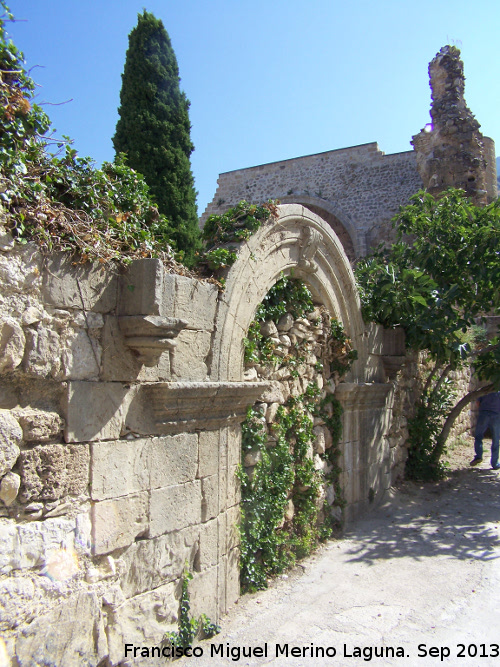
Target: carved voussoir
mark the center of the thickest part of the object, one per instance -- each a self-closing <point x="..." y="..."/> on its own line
<point x="310" y="242"/>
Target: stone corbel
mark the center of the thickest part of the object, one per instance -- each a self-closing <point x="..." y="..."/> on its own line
<point x="308" y="248"/>
<point x="200" y="405"/>
<point x="150" y="335"/>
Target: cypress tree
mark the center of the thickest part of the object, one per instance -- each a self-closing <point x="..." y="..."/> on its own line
<point x="153" y="129"/>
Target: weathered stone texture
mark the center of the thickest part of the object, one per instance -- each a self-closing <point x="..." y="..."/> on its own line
<point x="10" y="439"/>
<point x="105" y="401"/>
<point x="142" y="620"/>
<point x="9" y="488"/>
<point x="81" y="356"/>
<point x="126" y="466"/>
<point x="32" y="544"/>
<point x="12" y="342"/>
<point x="39" y="425"/>
<point x="43" y="353"/>
<point x="190" y="357"/>
<point x="85" y="287"/>
<point x="208" y="453"/>
<point x="150" y="563"/>
<point x="175" y="507"/>
<point x="117" y="522"/>
<point x="49" y="472"/>
<point x="209" y="497"/>
<point x="72" y="631"/>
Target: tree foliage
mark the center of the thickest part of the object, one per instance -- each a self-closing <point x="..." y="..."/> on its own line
<point x="62" y="201"/>
<point x="153" y="129"/>
<point x="439" y="281"/>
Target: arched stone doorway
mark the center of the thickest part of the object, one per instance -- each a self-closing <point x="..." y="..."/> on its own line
<point x="301" y="243"/>
<point x="351" y="238"/>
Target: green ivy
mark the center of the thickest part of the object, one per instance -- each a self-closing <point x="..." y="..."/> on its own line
<point x="236" y="224"/>
<point x="219" y="258"/>
<point x="188" y="626"/>
<point x="286" y="470"/>
<point x="288" y="295"/>
<point x="62" y="201"/>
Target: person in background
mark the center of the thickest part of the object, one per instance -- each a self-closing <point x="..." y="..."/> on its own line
<point x="488" y="417"/>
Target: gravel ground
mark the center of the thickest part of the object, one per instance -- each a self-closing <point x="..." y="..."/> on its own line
<point x="417" y="580"/>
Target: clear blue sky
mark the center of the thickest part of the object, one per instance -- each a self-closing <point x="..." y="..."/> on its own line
<point x="267" y="79"/>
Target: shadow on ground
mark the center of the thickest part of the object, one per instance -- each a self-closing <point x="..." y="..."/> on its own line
<point x="457" y="518"/>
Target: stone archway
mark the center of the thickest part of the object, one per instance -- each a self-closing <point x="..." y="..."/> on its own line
<point x="301" y="243"/>
<point x="351" y="237"/>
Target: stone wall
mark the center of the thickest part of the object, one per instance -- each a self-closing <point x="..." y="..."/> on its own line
<point x="121" y="398"/>
<point x="357" y="190"/>
<point x="117" y="457"/>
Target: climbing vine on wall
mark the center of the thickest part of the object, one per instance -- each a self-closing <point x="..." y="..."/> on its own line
<point x="234" y="226"/>
<point x="291" y="497"/>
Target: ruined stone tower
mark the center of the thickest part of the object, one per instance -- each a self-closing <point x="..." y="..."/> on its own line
<point x="451" y="151"/>
<point x="358" y="190"/>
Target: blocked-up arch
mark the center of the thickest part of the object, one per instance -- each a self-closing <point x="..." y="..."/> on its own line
<point x="298" y="243"/>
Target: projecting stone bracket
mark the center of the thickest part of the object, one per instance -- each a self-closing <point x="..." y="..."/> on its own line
<point x="150" y="335"/>
<point x="159" y="408"/>
<point x="200" y="405"/>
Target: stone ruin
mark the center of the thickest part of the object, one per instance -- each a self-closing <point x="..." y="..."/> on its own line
<point x="358" y="190"/>
<point x="122" y="394"/>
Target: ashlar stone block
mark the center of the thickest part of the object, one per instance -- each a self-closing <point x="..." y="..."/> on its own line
<point x="81" y="356"/>
<point x="141" y="288"/>
<point x="116" y="523"/>
<point x="210" y="497"/>
<point x="175" y="507"/>
<point x="42" y="355"/>
<point x="143" y="620"/>
<point x="208" y="453"/>
<point x="49" y="472"/>
<point x="190" y="356"/>
<point x="106" y="402"/>
<point x="173" y="459"/>
<point x="119" y="468"/>
<point x="209" y="544"/>
<point x="151" y="563"/>
<point x="72" y="633"/>
<point x="195" y="302"/>
<point x="203" y="593"/>
<point x="127" y="466"/>
<point x="85" y="287"/>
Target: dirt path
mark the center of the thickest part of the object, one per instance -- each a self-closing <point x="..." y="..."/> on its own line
<point x="421" y="571"/>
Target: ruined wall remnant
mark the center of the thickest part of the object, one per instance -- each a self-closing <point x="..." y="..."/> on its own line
<point x="451" y="151"/>
<point x="356" y="190"/>
<point x="121" y="398"/>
